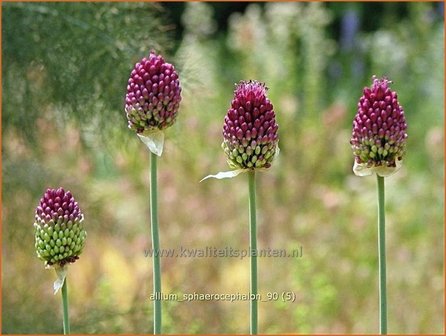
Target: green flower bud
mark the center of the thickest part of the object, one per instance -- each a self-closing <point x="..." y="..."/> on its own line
<point x="59" y="233"/>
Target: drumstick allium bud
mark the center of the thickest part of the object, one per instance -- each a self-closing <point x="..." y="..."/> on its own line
<point x="379" y="129"/>
<point x="153" y="95"/>
<point x="59" y="232"/>
<point x="250" y="128"/>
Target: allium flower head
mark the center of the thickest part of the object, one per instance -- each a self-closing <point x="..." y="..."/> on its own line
<point x="153" y="94"/>
<point x="59" y="235"/>
<point x="250" y="130"/>
<point x="379" y="131"/>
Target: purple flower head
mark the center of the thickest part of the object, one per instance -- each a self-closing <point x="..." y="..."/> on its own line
<point x="59" y="235"/>
<point x="379" y="130"/>
<point x="250" y="135"/>
<point x="153" y="94"/>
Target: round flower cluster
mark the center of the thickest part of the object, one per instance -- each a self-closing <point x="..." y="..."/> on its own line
<point x="379" y="128"/>
<point x="250" y="128"/>
<point x="59" y="235"/>
<point x="153" y="94"/>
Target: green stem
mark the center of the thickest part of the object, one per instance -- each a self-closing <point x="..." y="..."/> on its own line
<point x="253" y="250"/>
<point x="382" y="258"/>
<point x="66" y="320"/>
<point x="155" y="244"/>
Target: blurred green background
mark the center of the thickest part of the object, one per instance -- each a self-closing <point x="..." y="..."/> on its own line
<point x="65" y="70"/>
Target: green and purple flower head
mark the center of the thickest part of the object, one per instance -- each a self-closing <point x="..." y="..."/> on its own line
<point x="59" y="232"/>
<point x="153" y="95"/>
<point x="379" y="131"/>
<point x="250" y="138"/>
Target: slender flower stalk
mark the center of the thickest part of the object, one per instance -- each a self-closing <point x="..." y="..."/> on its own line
<point x="66" y="318"/>
<point x="151" y="105"/>
<point x="155" y="244"/>
<point x="379" y="145"/>
<point x="250" y="141"/>
<point x="382" y="257"/>
<point x="253" y="249"/>
<point x="59" y="238"/>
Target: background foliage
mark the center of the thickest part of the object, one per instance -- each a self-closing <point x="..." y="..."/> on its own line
<point x="65" y="68"/>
